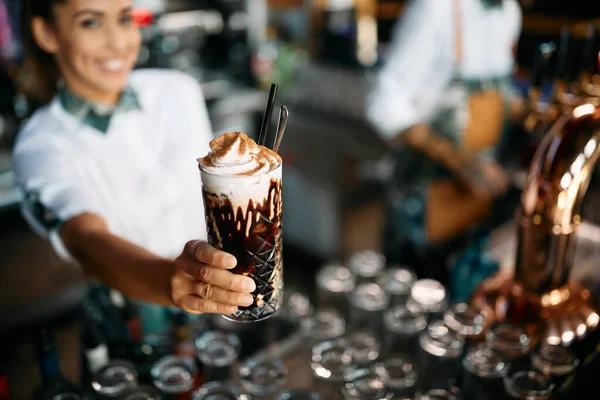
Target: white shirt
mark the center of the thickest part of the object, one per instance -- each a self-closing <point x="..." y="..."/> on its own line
<point x="141" y="176"/>
<point x="421" y="62"/>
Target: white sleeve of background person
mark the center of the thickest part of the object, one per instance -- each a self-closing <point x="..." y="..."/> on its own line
<point x="416" y="71"/>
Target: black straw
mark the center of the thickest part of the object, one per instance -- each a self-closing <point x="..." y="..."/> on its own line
<point x="264" y="128"/>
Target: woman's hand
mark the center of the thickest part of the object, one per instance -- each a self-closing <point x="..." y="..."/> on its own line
<point x="484" y="178"/>
<point x="202" y="284"/>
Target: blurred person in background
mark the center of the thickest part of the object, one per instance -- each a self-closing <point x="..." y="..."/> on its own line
<point x="442" y="101"/>
<point x="5" y="32"/>
<point x="108" y="167"/>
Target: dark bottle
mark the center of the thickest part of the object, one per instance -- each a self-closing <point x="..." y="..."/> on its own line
<point x="48" y="361"/>
<point x="588" y="58"/>
<point x="539" y="118"/>
<point x="540" y="70"/>
<point x="94" y="347"/>
<point x="563" y="67"/>
<point x="53" y="385"/>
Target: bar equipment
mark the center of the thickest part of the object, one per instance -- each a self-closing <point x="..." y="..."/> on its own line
<point x="439" y="394"/>
<point x="557" y="362"/>
<point x="175" y="376"/>
<point x="264" y="378"/>
<point x="364" y="384"/>
<point x="58" y="391"/>
<point x="114" y="379"/>
<point x="528" y="385"/>
<point x="142" y="392"/>
<point x="430" y="296"/>
<point x="399" y="374"/>
<point x="324" y="324"/>
<point x="298" y="307"/>
<point x="467" y="321"/>
<point x="298" y="395"/>
<point x="366" y="265"/>
<point x="331" y="361"/>
<point x="365" y="348"/>
<point x="397" y="282"/>
<point x="439" y="356"/>
<point x="367" y="302"/>
<point x="220" y="391"/>
<point x="483" y="373"/>
<point x="403" y="327"/>
<point x="217" y="351"/>
<point x="511" y="342"/>
<point x="334" y="284"/>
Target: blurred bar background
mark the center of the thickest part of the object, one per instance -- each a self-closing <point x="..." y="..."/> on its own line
<point x="324" y="55"/>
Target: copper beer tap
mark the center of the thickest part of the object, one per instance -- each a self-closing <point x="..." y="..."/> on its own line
<point x="539" y="294"/>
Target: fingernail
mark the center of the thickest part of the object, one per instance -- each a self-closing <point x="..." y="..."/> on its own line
<point x="231" y="309"/>
<point x="246" y="300"/>
<point x="229" y="261"/>
<point x="248" y="285"/>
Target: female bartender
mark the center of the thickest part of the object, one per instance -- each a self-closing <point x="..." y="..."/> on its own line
<point x="108" y="166"/>
<point x="441" y="101"/>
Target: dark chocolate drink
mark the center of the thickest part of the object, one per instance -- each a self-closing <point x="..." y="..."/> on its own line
<point x="242" y="202"/>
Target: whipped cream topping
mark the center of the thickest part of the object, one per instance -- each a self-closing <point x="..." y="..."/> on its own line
<point x="235" y="154"/>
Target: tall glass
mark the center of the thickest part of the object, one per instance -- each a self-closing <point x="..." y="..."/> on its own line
<point x="175" y="377"/>
<point x="439" y="358"/>
<point x="365" y="348"/>
<point x="217" y="352"/>
<point x="142" y="392"/>
<point x="334" y="285"/>
<point x="440" y="394"/>
<point x="483" y="373"/>
<point x="556" y="361"/>
<point x="243" y="217"/>
<point x="528" y="385"/>
<point x="331" y="361"/>
<point x="399" y="374"/>
<point x="467" y="321"/>
<point x="366" y="265"/>
<point x="512" y="343"/>
<point x="367" y="302"/>
<point x="220" y="391"/>
<point x="114" y="379"/>
<point x="364" y="384"/>
<point x="403" y="326"/>
<point x="263" y="379"/>
<point x="429" y="295"/>
<point x="397" y="282"/>
<point x="297" y="395"/>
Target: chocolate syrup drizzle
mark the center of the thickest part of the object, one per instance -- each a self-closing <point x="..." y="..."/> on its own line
<point x="253" y="237"/>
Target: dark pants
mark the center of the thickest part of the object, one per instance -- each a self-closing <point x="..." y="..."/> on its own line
<point x="432" y="261"/>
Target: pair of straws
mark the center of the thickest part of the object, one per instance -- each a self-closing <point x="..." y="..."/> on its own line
<point x="281" y="124"/>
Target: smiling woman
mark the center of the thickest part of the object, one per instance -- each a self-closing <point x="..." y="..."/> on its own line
<point x="108" y="167"/>
<point x="93" y="43"/>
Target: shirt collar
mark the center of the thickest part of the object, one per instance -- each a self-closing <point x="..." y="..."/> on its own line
<point x="95" y="115"/>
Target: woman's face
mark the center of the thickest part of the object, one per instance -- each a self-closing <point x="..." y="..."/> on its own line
<point x="97" y="45"/>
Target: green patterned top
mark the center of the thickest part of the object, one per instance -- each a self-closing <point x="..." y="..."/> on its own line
<point x="95" y="115"/>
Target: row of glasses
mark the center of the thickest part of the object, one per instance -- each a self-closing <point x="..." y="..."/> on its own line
<point x="228" y="391"/>
<point x="509" y="363"/>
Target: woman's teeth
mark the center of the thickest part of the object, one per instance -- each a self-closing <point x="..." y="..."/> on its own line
<point x="113" y="65"/>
